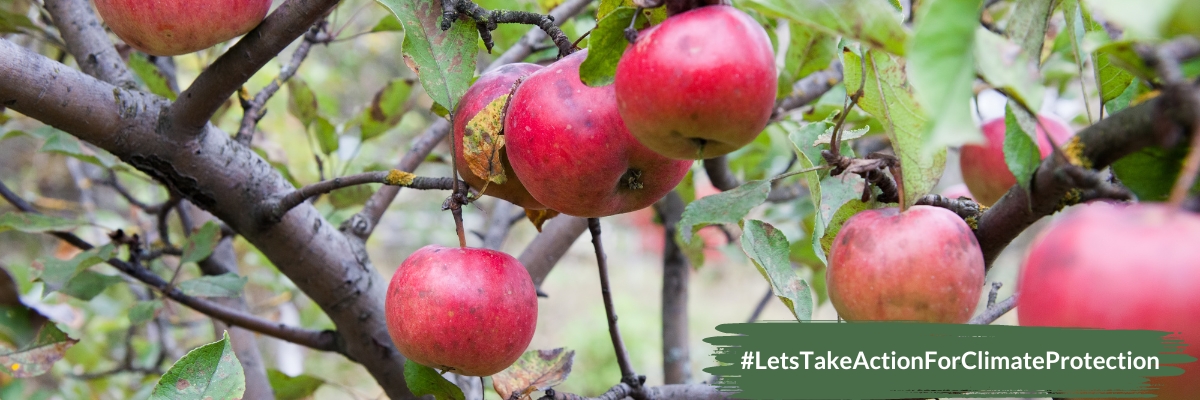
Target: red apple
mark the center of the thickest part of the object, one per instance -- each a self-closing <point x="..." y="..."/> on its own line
<point x="487" y="88"/>
<point x="569" y="147"/>
<point x="174" y="27"/>
<point x="470" y="311"/>
<point x="922" y="264"/>
<point x="983" y="167"/>
<point x="699" y="85"/>
<point x="1119" y="267"/>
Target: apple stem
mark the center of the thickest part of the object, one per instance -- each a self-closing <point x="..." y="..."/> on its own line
<point x="627" y="373"/>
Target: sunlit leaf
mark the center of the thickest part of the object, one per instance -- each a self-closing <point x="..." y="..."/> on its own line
<point x="723" y="208"/>
<point x="606" y="44"/>
<point x="224" y="285"/>
<point x="767" y="247"/>
<point x="539" y="217"/>
<point x="872" y="22"/>
<point x="36" y="358"/>
<point x="536" y="370"/>
<point x="211" y="371"/>
<point x="443" y="60"/>
<point x="423" y="381"/>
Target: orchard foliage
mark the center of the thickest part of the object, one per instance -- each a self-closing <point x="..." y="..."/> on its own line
<point x="205" y="210"/>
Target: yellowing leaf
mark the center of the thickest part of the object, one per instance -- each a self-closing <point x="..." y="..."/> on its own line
<point x="539" y="217"/>
<point x="535" y="370"/>
<point x="482" y="141"/>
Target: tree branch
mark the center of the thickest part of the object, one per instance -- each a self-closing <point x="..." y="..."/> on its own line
<point x="991" y="314"/>
<point x="549" y="246"/>
<point x="628" y="376"/>
<point x="275" y="209"/>
<point x="320" y="340"/>
<point x="721" y="177"/>
<point x="88" y="42"/>
<point x="254" y="109"/>
<point x="200" y="101"/>
<point x="677" y="366"/>
<point x="808" y="90"/>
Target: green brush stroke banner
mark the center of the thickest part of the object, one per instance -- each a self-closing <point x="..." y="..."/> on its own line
<point x="883" y="360"/>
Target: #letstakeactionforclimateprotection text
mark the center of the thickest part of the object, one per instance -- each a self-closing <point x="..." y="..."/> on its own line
<point x="932" y="360"/>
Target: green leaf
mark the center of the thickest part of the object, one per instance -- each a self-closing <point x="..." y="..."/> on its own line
<point x="1122" y="54"/>
<point x="389" y="23"/>
<point x="151" y="76"/>
<point x="941" y="68"/>
<point x="536" y="370"/>
<point x="723" y="208"/>
<point x="60" y="142"/>
<point x="423" y="380"/>
<point x="302" y="102"/>
<point x="327" y="135"/>
<point x="1141" y="19"/>
<point x="201" y="243"/>
<point x="386" y="109"/>
<point x="1152" y="171"/>
<point x="35" y="223"/>
<point x="1027" y="26"/>
<point x="808" y="156"/>
<point x="768" y="248"/>
<point x="847" y="210"/>
<point x="656" y="15"/>
<point x="55" y="272"/>
<point x="36" y="358"/>
<point x="872" y="22"/>
<point x="809" y="51"/>
<point x="293" y="387"/>
<point x="14" y="23"/>
<point x="352" y="196"/>
<point x="1002" y="64"/>
<point x="1021" y="151"/>
<point x="211" y="371"/>
<point x="144" y="311"/>
<point x="224" y="285"/>
<point x="87" y="284"/>
<point x="443" y="60"/>
<point x="887" y="97"/>
<point x="606" y="44"/>
<point x="1135" y="89"/>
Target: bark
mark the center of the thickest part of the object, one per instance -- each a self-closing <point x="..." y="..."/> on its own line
<point x="677" y="367"/>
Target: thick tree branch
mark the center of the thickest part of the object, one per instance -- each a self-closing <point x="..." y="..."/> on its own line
<point x="275" y="209"/>
<point x="320" y="340"/>
<point x="254" y="109"/>
<point x="221" y="177"/>
<point x="220" y="80"/>
<point x="543" y="253"/>
<point x="500" y="222"/>
<point x="88" y="42"/>
<point x="628" y="376"/>
<point x="677" y="366"/>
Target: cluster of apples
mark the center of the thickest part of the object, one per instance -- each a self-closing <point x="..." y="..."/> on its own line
<point x="699" y="85"/>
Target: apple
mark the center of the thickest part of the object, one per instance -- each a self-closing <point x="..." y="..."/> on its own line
<point x="983" y="167"/>
<point x="174" y="27"/>
<point x="699" y="85"/>
<point x="568" y="145"/>
<point x="488" y="87"/>
<point x="466" y="310"/>
<point x="1119" y="267"/>
<point x="923" y="264"/>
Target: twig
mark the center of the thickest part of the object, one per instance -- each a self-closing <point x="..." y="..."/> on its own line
<point x="991" y="314"/>
<point x="115" y="184"/>
<point x="253" y="109"/>
<point x="274" y="210"/>
<point x="808" y="90"/>
<point x="966" y="208"/>
<point x="762" y="305"/>
<point x="486" y="22"/>
<point x="319" y="340"/>
<point x="628" y="376"/>
<point x="992" y="294"/>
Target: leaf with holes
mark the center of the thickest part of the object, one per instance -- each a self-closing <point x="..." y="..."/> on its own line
<point x="1003" y="65"/>
<point x="201" y="243"/>
<point x="606" y="45"/>
<point x="483" y="141"/>
<point x="386" y="109"/>
<point x="211" y="371"/>
<point x="872" y="22"/>
<point x="941" y="69"/>
<point x="539" y="217"/>
<point x="293" y="387"/>
<point x="536" y="370"/>
<point x="302" y="102"/>
<point x="723" y="208"/>
<point x="35" y="223"/>
<point x="887" y="97"/>
<point x="224" y="285"/>
<point x="768" y="248"/>
<point x="443" y="60"/>
<point x="423" y="380"/>
<point x="150" y="75"/>
<point x="1021" y="152"/>
<point x="36" y="358"/>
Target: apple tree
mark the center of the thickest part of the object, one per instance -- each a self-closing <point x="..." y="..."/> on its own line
<point x="164" y="162"/>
